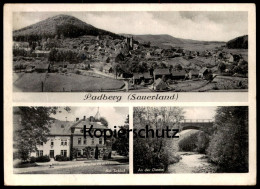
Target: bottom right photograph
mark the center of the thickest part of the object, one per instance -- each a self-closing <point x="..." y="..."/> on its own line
<point x="190" y="139"/>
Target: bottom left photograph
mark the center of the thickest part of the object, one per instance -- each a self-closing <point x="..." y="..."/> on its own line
<point x="70" y="140"/>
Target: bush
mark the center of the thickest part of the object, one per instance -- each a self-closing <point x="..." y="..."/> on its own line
<point x="33" y="159"/>
<point x="78" y="72"/>
<point x="61" y="158"/>
<point x="43" y="159"/>
<point x="189" y="143"/>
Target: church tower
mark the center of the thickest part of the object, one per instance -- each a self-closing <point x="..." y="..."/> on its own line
<point x="97" y="116"/>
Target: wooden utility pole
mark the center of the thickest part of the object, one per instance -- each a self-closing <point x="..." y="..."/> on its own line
<point x="42" y="86"/>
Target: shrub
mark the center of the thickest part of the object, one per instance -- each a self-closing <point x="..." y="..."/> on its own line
<point x="32" y="159"/>
<point x="78" y="72"/>
<point x="43" y="159"/>
<point x="189" y="143"/>
<point x="61" y="158"/>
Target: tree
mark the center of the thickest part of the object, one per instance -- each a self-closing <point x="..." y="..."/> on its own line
<point x="33" y="128"/>
<point x="121" y="144"/>
<point x="228" y="146"/>
<point x="156" y="152"/>
<point x="96" y="153"/>
<point x="221" y="67"/>
<point x="104" y="121"/>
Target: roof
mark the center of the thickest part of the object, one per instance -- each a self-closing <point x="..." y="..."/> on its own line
<point x="163" y="71"/>
<point x="137" y="75"/>
<point x="178" y="60"/>
<point x="107" y="67"/>
<point x="158" y="82"/>
<point x="71" y="66"/>
<point x="42" y="66"/>
<point x="60" y="127"/>
<point x="158" y="50"/>
<point x="82" y="122"/>
<point x="194" y="72"/>
<point x="203" y="70"/>
<point x="40" y="51"/>
<point x="179" y="73"/>
<point x="147" y="75"/>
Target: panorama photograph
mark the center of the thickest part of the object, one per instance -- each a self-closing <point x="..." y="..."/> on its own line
<point x="52" y="140"/>
<point x="162" y="51"/>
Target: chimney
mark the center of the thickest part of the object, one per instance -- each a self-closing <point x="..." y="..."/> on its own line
<point x="84" y="118"/>
<point x="77" y="119"/>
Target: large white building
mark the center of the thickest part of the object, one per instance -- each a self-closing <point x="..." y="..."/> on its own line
<point x="58" y="141"/>
<point x="67" y="137"/>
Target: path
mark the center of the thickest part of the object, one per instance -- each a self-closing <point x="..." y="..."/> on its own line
<point x="63" y="165"/>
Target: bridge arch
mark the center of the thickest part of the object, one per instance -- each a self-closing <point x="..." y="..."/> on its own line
<point x="202" y="125"/>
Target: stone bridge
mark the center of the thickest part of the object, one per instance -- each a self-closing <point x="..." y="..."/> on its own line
<point x="205" y="125"/>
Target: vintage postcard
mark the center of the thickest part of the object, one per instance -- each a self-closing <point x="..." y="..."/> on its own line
<point x="129" y="94"/>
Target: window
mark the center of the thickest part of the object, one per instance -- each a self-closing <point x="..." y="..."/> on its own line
<point x="93" y="141"/>
<point x="63" y="142"/>
<point x="41" y="143"/>
<point x="79" y="140"/>
<point x="78" y="153"/>
<point x="63" y="153"/>
<point x="39" y="153"/>
<point x="81" y="130"/>
<point x="52" y="143"/>
<point x="85" y="141"/>
<point x="100" y="140"/>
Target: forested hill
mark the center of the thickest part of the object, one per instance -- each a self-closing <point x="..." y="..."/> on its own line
<point x="68" y="26"/>
<point x="238" y="43"/>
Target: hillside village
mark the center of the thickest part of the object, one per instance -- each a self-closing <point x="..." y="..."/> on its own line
<point x="104" y="62"/>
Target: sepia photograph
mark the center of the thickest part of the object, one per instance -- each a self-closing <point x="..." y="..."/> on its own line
<point x="130" y="51"/>
<point x="191" y="139"/>
<point x="70" y="140"/>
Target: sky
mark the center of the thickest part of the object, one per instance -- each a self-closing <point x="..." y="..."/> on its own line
<point x="115" y="116"/>
<point x="199" y="112"/>
<point x="197" y="25"/>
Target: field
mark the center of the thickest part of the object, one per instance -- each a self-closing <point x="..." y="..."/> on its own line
<point x="196" y="46"/>
<point x="58" y="82"/>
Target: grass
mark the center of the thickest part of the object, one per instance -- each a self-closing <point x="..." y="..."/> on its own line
<point x="56" y="82"/>
<point x="95" y="169"/>
<point x="197" y="46"/>
<point x="25" y="165"/>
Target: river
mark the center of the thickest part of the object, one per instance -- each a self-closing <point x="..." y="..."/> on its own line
<point x="192" y="162"/>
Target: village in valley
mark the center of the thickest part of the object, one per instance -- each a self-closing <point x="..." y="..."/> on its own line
<point x="72" y="56"/>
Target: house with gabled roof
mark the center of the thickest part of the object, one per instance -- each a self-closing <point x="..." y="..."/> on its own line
<point x="159" y="85"/>
<point x="66" y="138"/>
<point x="178" y="74"/>
<point x="162" y="72"/>
<point x="86" y="147"/>
<point x="58" y="140"/>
